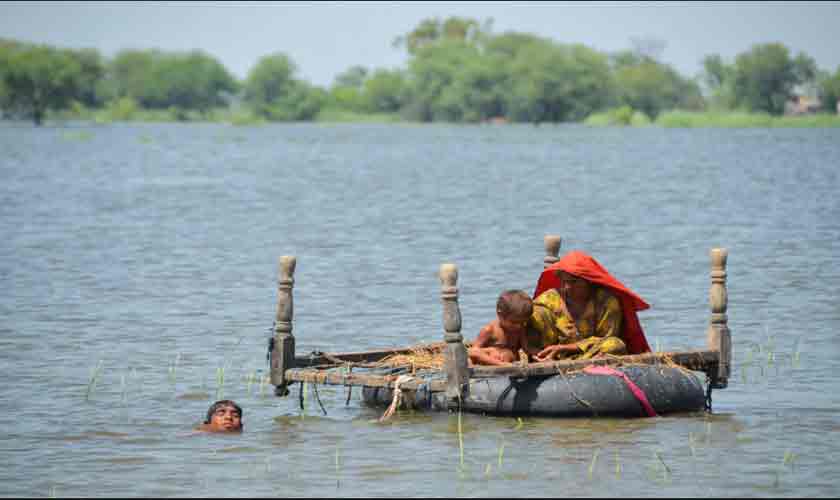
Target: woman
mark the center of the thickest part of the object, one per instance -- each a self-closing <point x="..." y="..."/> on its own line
<point x="582" y="311"/>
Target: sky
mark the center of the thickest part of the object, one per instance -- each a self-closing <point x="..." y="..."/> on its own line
<point x="326" y="38"/>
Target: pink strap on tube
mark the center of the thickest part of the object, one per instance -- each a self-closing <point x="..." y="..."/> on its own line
<point x="635" y="389"/>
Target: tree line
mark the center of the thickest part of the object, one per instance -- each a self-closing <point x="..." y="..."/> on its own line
<point x="458" y="70"/>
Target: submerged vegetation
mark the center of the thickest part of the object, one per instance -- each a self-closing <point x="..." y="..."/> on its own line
<point x="473" y="453"/>
<point x="458" y="70"/>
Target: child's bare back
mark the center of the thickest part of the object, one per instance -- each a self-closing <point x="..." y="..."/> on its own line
<point x="500" y="345"/>
<point x="500" y="340"/>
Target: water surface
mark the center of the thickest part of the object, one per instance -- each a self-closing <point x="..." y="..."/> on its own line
<point x="139" y="267"/>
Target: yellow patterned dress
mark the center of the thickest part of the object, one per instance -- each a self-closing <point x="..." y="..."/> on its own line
<point x="598" y="331"/>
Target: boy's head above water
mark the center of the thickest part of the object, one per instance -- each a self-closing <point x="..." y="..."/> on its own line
<point x="223" y="416"/>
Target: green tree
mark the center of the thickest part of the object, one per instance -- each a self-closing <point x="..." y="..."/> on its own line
<point x="765" y="76"/>
<point x="274" y="93"/>
<point x="270" y="80"/>
<point x="431" y="31"/>
<point x="7" y="47"/>
<point x="39" y="78"/>
<point x="715" y="71"/>
<point x="650" y="86"/>
<point x="353" y="77"/>
<point x="93" y="70"/>
<point x="804" y="68"/>
<point x="181" y="80"/>
<point x="829" y="90"/>
<point x="192" y="81"/>
<point x="558" y="83"/>
<point x="431" y="71"/>
<point x="718" y="81"/>
<point x="132" y="74"/>
<point x="509" y="44"/>
<point x="479" y="91"/>
<point x="347" y="89"/>
<point x="385" y="91"/>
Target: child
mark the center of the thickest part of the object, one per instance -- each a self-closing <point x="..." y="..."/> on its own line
<point x="499" y="342"/>
<point x="223" y="416"/>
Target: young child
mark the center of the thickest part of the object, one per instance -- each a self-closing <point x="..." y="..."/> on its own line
<point x="499" y="342"/>
<point x="223" y="416"/>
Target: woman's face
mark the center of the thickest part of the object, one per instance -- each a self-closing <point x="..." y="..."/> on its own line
<point x="226" y="418"/>
<point x="574" y="288"/>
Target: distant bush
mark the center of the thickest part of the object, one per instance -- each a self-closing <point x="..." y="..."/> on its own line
<point x="602" y="119"/>
<point x="812" y="121"/>
<point x="742" y="119"/>
<point x="122" y="109"/>
<point x="725" y="119"/>
<point x="332" y="115"/>
<point x="639" y="119"/>
<point x="622" y="116"/>
<point x="245" y="117"/>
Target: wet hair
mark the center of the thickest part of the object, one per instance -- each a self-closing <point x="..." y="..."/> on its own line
<point x="514" y="303"/>
<point x="221" y="404"/>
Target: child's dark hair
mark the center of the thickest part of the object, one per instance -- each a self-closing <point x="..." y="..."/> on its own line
<point x="221" y="404"/>
<point x="514" y="303"/>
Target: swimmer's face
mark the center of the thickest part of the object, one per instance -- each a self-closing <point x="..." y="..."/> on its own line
<point x="227" y="419"/>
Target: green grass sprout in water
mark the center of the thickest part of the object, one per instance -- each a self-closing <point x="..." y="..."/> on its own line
<point x="593" y="462"/>
<point x="94" y="378"/>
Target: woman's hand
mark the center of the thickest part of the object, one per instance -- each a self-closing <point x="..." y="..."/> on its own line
<point x="552" y="351"/>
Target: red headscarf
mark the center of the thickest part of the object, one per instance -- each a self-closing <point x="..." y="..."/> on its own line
<point x="584" y="266"/>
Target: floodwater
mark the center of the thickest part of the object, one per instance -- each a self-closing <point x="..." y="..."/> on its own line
<point x="139" y="263"/>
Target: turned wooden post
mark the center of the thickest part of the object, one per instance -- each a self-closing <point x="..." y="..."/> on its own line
<point x="283" y="354"/>
<point x="552" y="249"/>
<point x="717" y="335"/>
<point x="455" y="360"/>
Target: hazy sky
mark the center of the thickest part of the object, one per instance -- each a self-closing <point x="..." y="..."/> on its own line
<point x="324" y="38"/>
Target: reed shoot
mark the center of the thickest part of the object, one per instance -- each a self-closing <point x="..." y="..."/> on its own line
<point x="94" y="378"/>
<point x="133" y="376"/>
<point x="594" y="461"/>
<point x="337" y="467"/>
<point x="501" y="453"/>
<point x="173" y="368"/>
<point x="460" y="439"/>
<point x="251" y="378"/>
<point x="790" y="458"/>
<point x="666" y="471"/>
<point x="304" y="392"/>
<point x="664" y="465"/>
<point x="220" y="381"/>
<point x="795" y="358"/>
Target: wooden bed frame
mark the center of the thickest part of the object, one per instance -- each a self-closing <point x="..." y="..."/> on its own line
<point x="319" y="368"/>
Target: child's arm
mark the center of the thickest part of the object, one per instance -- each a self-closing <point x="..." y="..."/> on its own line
<point x="485" y="336"/>
<point x="477" y="353"/>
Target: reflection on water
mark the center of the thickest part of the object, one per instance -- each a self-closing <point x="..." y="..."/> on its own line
<point x="138" y="265"/>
